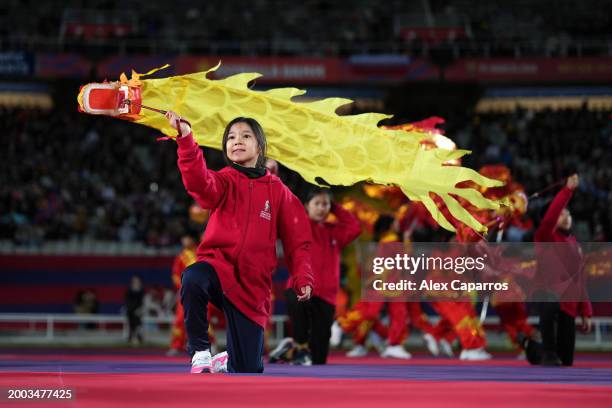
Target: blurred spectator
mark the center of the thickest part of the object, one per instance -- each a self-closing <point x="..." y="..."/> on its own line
<point x="134" y="299"/>
<point x="542" y="147"/>
<point x="99" y="28"/>
<point x="168" y="303"/>
<point x="120" y="185"/>
<point x="152" y="303"/>
<point x="86" y="302"/>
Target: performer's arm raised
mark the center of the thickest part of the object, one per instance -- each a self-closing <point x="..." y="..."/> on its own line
<point x="551" y="217"/>
<point x="205" y="186"/>
<point x="348" y="228"/>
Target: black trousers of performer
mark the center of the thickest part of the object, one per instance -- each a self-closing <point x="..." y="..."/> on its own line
<point x="135" y="326"/>
<point x="558" y="336"/>
<point x="311" y="321"/>
<point x="245" y="338"/>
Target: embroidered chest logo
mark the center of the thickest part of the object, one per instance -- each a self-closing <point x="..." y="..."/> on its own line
<point x="266" y="214"/>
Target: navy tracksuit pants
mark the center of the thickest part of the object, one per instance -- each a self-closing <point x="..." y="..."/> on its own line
<point x="245" y="338"/>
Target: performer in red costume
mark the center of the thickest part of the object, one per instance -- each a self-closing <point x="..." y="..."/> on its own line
<point x="250" y="208"/>
<point x="363" y="318"/>
<point x="186" y="257"/>
<point x="512" y="315"/>
<point x="440" y="339"/>
<point x="460" y="317"/>
<point x="312" y="320"/>
<point x="557" y="317"/>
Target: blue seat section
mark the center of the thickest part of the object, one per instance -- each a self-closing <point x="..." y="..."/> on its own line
<point x="50" y="284"/>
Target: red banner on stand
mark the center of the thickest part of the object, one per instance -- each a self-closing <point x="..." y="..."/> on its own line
<point x="361" y="69"/>
<point x="585" y="69"/>
<point x="273" y="69"/>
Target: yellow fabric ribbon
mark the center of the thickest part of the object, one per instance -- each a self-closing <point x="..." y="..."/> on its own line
<point x="310" y="138"/>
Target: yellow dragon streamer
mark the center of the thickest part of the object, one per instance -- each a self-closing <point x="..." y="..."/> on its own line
<point x="311" y="139"/>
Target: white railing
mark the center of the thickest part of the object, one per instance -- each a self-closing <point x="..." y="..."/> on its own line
<point x="601" y="325"/>
<point x="50" y="320"/>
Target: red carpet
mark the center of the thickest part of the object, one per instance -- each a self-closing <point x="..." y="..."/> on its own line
<point x="117" y="378"/>
<point x="183" y="390"/>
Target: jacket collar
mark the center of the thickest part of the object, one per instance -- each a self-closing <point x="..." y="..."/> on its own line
<point x="250" y="172"/>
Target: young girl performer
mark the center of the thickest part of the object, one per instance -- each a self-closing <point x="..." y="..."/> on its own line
<point x="312" y="320"/>
<point x="249" y="208"/>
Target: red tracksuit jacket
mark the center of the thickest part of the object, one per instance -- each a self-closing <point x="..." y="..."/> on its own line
<point x="246" y="217"/>
<point x="328" y="239"/>
<point x="548" y="232"/>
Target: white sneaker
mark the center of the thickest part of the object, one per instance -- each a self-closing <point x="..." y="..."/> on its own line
<point x="201" y="362"/>
<point x="478" y="354"/>
<point x="336" y="335"/>
<point x="376" y="341"/>
<point x="219" y="363"/>
<point x="446" y="348"/>
<point x="432" y="344"/>
<point x="358" y="351"/>
<point x="396" y="352"/>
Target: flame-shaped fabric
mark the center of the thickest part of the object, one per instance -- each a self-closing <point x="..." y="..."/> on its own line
<point x="311" y="139"/>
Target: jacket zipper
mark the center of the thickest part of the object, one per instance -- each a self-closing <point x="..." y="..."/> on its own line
<point x="246" y="228"/>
